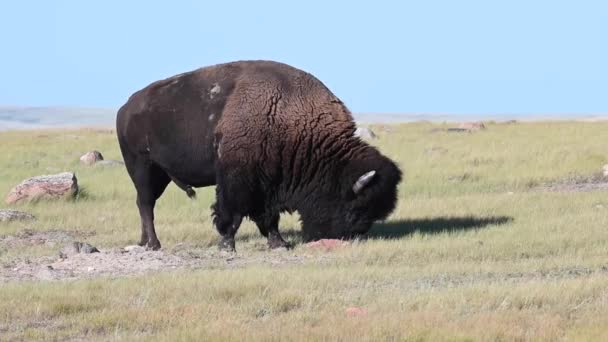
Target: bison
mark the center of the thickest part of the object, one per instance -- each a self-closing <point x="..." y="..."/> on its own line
<point x="271" y="137"/>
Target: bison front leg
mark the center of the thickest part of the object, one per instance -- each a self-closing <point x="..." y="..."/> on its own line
<point x="228" y="229"/>
<point x="269" y="227"/>
<point x="234" y="200"/>
<point x="227" y="224"/>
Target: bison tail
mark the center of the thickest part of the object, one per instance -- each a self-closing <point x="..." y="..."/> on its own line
<point x="191" y="193"/>
<point x="187" y="188"/>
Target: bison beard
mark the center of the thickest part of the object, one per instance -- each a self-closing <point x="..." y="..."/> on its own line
<point x="272" y="138"/>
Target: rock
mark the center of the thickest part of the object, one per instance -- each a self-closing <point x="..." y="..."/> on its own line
<point x="452" y="129"/>
<point x="76" y="247"/>
<point x="356" y="312"/>
<point x="7" y="215"/>
<point x="327" y="244"/>
<point x="86" y="248"/>
<point x="91" y="158"/>
<point x="134" y="249"/>
<point x="472" y="126"/>
<point x="605" y="170"/>
<point x="44" y="187"/>
<point x="109" y="163"/>
<point x="69" y="250"/>
<point x="365" y="133"/>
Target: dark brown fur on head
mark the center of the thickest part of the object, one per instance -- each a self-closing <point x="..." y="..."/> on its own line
<point x="346" y="213"/>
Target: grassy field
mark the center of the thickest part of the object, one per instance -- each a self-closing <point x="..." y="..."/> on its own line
<point x="477" y="248"/>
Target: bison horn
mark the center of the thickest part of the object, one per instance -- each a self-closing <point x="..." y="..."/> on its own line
<point x="363" y="181"/>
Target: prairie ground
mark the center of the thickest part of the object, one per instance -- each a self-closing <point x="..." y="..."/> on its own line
<point x="500" y="234"/>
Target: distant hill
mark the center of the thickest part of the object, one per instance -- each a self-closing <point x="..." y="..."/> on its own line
<point x="19" y="117"/>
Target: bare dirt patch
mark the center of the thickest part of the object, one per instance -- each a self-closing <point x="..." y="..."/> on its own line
<point x="49" y="238"/>
<point x="133" y="260"/>
<point x="576" y="184"/>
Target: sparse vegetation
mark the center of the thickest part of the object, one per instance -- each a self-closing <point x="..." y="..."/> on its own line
<point x="482" y="246"/>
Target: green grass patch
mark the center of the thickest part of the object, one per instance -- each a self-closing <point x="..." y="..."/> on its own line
<point x="473" y="251"/>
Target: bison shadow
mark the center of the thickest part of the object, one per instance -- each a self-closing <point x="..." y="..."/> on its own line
<point x="401" y="228"/>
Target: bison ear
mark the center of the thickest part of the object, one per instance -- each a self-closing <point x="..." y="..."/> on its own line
<point x="363" y="181"/>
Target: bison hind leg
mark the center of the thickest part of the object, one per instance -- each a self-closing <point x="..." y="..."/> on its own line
<point x="150" y="182"/>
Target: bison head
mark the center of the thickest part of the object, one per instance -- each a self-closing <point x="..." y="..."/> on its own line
<point x="366" y="192"/>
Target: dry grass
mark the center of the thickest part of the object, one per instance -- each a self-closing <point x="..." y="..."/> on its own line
<point x="473" y="251"/>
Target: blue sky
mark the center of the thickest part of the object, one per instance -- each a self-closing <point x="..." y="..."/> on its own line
<point x="378" y="56"/>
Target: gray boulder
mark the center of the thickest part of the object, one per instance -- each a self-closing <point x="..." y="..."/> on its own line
<point x="76" y="247"/>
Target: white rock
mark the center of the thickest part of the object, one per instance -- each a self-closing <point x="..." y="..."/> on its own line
<point x="134" y="249"/>
<point x="91" y="158"/>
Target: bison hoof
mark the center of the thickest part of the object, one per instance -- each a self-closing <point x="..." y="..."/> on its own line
<point x="278" y="243"/>
<point x="227" y="245"/>
<point x="153" y="245"/>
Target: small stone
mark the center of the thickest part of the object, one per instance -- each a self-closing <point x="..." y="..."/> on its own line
<point x="90" y="269"/>
<point x="134" y="249"/>
<point x="68" y="250"/>
<point x="91" y="158"/>
<point x="87" y="248"/>
<point x="8" y="215"/>
<point x="605" y="170"/>
<point x="76" y="247"/>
